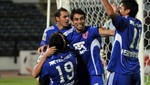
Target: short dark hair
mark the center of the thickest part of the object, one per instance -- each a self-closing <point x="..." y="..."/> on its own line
<point x="57" y="40"/>
<point x="77" y="11"/>
<point x="58" y="12"/>
<point x="132" y="5"/>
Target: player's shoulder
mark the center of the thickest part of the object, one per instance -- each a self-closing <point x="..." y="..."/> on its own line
<point x="92" y="28"/>
<point x="69" y="31"/>
<point x="50" y="28"/>
<point x="69" y="55"/>
<point x="138" y="21"/>
<point x="72" y="52"/>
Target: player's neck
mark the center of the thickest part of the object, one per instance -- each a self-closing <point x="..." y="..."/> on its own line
<point x="60" y="27"/>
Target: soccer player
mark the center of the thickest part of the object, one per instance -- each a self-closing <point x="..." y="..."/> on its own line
<point x="124" y="64"/>
<point x="60" y="67"/>
<point x="62" y="24"/>
<point x="86" y="40"/>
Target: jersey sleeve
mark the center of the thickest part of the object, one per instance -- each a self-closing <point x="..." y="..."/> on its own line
<point x="120" y="22"/>
<point x="47" y="33"/>
<point x="95" y="31"/>
<point x="44" y="40"/>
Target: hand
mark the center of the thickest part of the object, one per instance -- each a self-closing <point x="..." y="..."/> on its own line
<point x="42" y="48"/>
<point x="114" y="6"/>
<point x="50" y="51"/>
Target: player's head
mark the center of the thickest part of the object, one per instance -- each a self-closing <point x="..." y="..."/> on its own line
<point x="128" y="8"/>
<point x="62" y="17"/>
<point x="78" y="19"/>
<point x="59" y="41"/>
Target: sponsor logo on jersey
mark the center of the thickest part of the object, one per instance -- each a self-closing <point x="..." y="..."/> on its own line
<point x="80" y="47"/>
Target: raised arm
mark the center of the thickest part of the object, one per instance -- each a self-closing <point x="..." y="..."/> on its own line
<point x="110" y="11"/>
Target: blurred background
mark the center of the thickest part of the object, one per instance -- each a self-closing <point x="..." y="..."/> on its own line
<point x="22" y="23"/>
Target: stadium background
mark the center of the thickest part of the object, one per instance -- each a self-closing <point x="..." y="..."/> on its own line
<point x="22" y="23"/>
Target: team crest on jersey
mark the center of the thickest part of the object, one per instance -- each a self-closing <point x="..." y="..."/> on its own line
<point x="85" y="35"/>
<point x="44" y="36"/>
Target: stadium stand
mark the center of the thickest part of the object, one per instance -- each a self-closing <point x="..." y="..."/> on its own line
<point x="21" y="27"/>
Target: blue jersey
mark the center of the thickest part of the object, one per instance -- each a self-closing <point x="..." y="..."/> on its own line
<point x="48" y="32"/>
<point x="61" y="68"/>
<point x="88" y="46"/>
<point x="124" y="56"/>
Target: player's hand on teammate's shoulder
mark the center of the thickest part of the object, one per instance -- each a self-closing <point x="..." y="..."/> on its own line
<point x="50" y="51"/>
<point x="42" y="48"/>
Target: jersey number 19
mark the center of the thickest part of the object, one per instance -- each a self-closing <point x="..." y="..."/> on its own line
<point x="68" y="67"/>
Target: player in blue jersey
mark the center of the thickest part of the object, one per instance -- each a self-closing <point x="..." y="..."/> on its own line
<point x="86" y="40"/>
<point x="124" y="64"/>
<point x="60" y="67"/>
<point x="62" y="24"/>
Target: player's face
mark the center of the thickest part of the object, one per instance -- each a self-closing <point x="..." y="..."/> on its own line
<point x="63" y="20"/>
<point x="79" y="22"/>
<point x="122" y="10"/>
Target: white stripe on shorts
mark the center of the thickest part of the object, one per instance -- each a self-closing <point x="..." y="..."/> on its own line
<point x="111" y="77"/>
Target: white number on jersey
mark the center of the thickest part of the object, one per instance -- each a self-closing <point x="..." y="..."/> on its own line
<point x="69" y="70"/>
<point x="134" y="38"/>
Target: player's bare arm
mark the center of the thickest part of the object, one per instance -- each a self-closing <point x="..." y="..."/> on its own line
<point x="38" y="66"/>
<point x="105" y="32"/>
<point x="114" y="6"/>
<point x="110" y="11"/>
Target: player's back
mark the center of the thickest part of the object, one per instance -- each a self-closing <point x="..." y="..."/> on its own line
<point x="127" y="37"/>
<point x="61" y="68"/>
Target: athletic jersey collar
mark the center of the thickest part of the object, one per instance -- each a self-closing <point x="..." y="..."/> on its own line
<point x="56" y="26"/>
<point x="74" y="29"/>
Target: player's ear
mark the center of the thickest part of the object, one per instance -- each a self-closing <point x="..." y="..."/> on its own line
<point x="127" y="11"/>
<point x="57" y="19"/>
